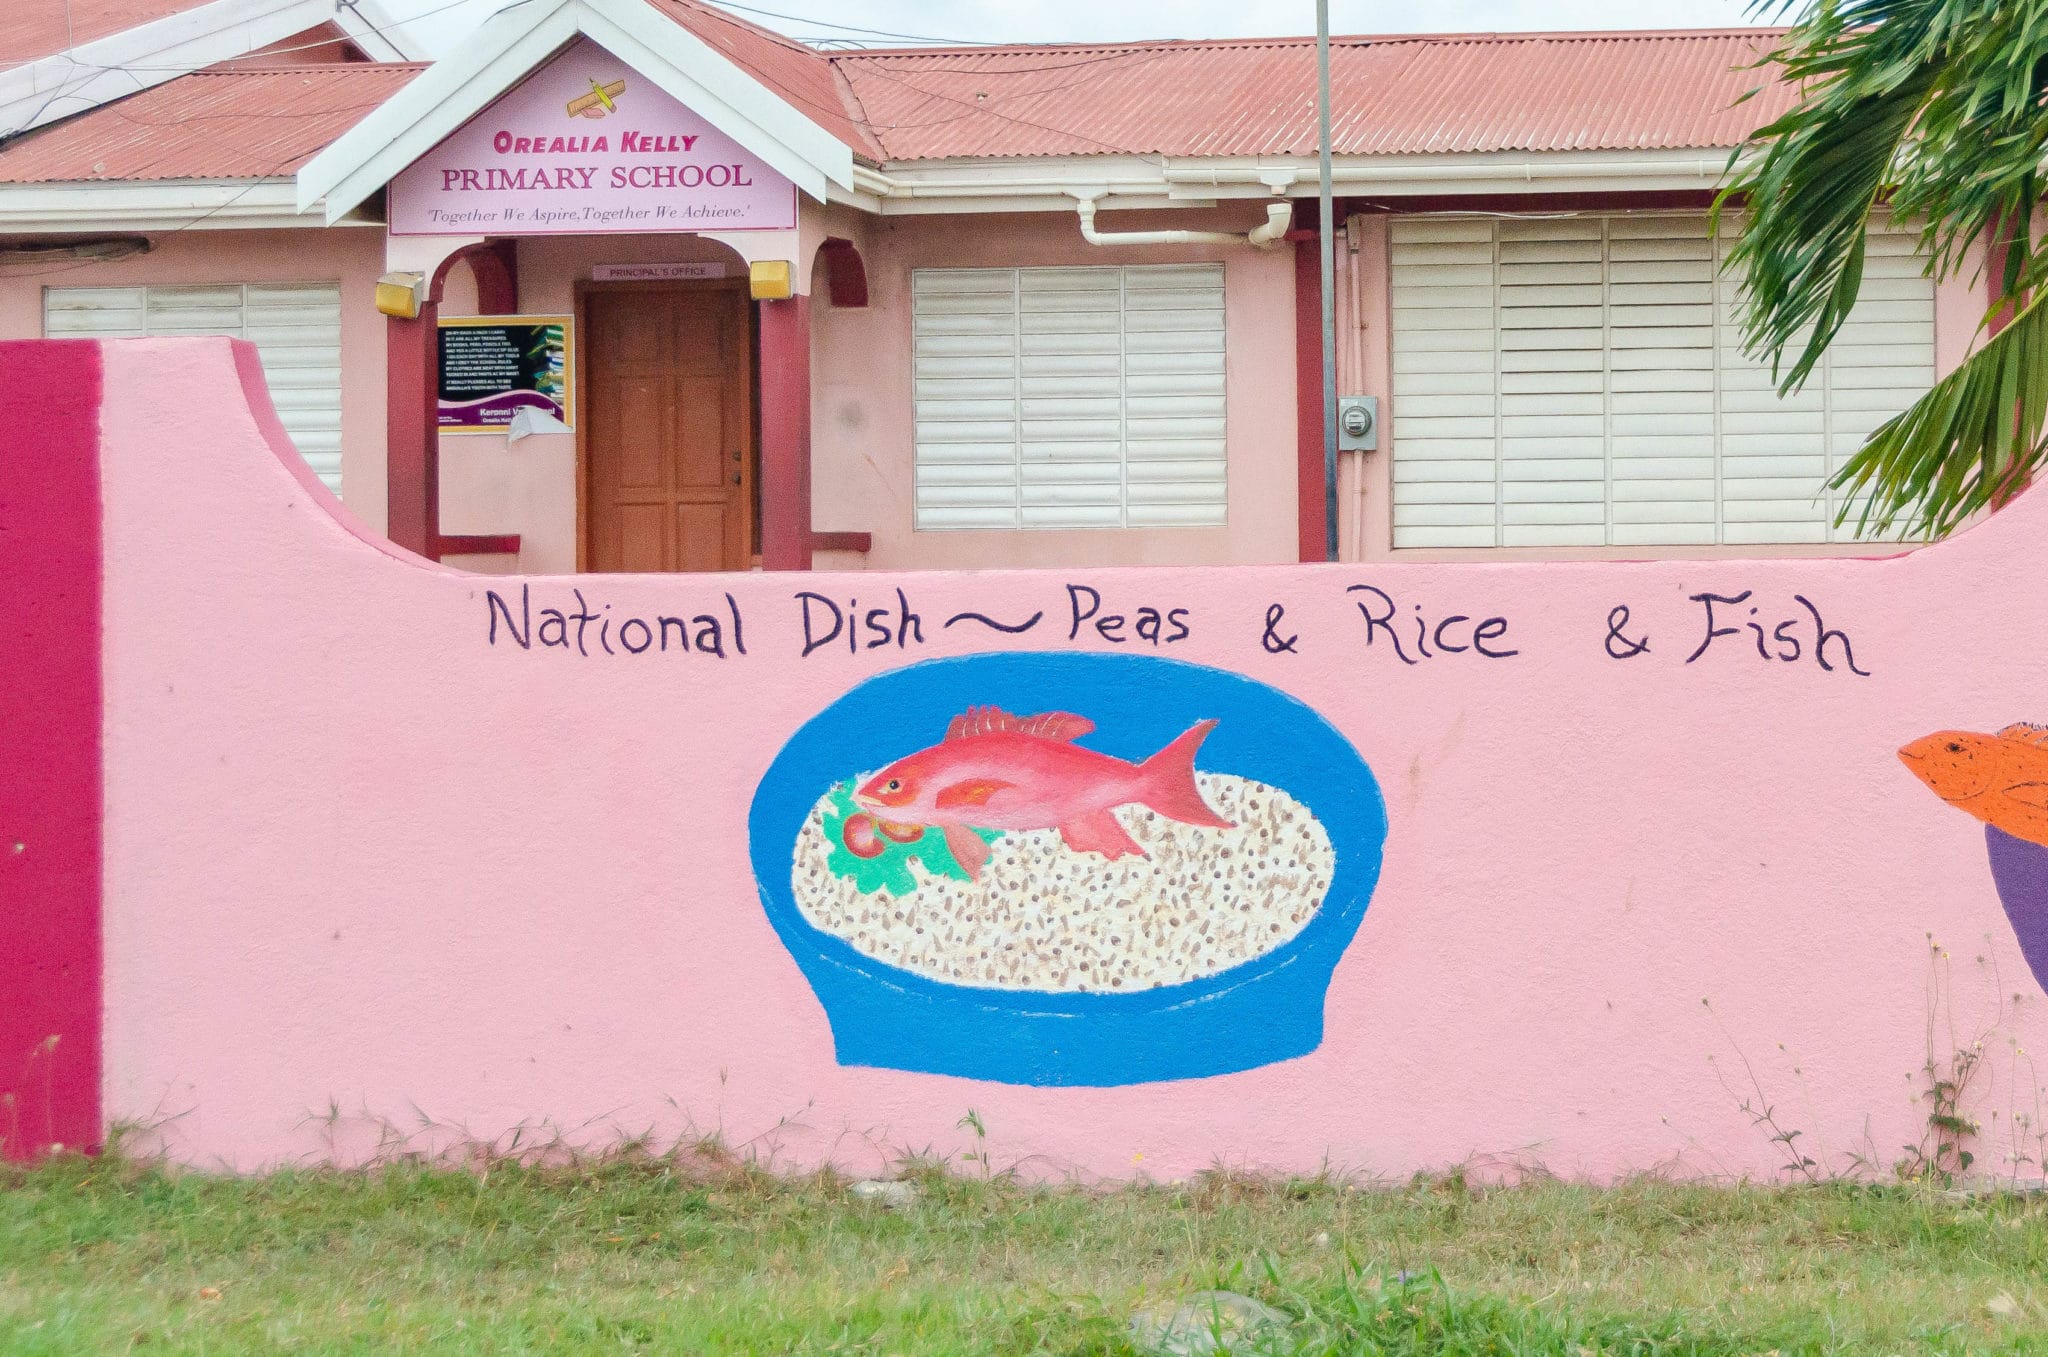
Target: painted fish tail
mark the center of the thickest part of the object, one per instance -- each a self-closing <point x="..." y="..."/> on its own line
<point x="1166" y="781"/>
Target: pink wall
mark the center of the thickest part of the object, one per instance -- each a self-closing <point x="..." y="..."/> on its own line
<point x="361" y="859"/>
<point x="861" y="425"/>
<point x="351" y="256"/>
<point x="50" y="793"/>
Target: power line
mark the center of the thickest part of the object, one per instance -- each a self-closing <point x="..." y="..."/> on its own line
<point x="92" y="70"/>
<point x="1125" y="52"/>
<point x="379" y="30"/>
<point x="839" y="42"/>
<point x="969" y="108"/>
<point x="982" y="106"/>
<point x="84" y="71"/>
<point x="847" y="28"/>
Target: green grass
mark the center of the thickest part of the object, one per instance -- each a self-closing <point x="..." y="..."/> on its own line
<point x="690" y="1255"/>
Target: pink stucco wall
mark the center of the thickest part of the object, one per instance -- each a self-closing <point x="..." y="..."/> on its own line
<point x="352" y="256"/>
<point x="365" y="867"/>
<point x="50" y="792"/>
<point x="861" y="424"/>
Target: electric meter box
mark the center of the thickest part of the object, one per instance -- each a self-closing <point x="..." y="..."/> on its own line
<point x="1358" y="423"/>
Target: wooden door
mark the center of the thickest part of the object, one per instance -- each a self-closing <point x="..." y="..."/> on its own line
<point x="668" y="439"/>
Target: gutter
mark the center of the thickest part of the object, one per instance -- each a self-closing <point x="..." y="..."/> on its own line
<point x="163" y="205"/>
<point x="1528" y="169"/>
<point x="1033" y="184"/>
<point x="1278" y="217"/>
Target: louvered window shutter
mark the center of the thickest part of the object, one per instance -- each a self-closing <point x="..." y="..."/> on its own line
<point x="1069" y="398"/>
<point x="296" y="328"/>
<point x="1580" y="382"/>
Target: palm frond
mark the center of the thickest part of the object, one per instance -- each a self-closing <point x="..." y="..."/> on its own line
<point x="1967" y="444"/>
<point x="1808" y="204"/>
<point x="1936" y="110"/>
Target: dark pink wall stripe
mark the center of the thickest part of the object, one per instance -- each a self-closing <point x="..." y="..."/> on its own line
<point x="50" y="748"/>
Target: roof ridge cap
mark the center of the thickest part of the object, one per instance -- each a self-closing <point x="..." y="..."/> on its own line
<point x="1302" y="39"/>
<point x="241" y="66"/>
<point x="748" y="25"/>
<point x="856" y="110"/>
<point x="1574" y="34"/>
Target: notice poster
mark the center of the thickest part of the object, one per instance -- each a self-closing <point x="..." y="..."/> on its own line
<point x="494" y="366"/>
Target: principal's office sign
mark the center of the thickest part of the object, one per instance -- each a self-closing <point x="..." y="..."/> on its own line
<point x="586" y="145"/>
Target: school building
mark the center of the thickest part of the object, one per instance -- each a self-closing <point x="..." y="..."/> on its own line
<point x="637" y="285"/>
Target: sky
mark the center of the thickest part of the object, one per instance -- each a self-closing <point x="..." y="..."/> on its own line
<point x="443" y="24"/>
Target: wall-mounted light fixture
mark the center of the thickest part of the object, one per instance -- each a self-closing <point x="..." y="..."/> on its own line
<point x="402" y="294"/>
<point x="768" y="280"/>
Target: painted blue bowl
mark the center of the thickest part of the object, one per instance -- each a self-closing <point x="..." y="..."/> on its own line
<point x="1264" y="1010"/>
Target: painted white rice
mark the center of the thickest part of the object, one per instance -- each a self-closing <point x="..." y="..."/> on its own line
<point x="1044" y="917"/>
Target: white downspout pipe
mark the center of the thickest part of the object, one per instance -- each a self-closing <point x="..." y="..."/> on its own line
<point x="1278" y="217"/>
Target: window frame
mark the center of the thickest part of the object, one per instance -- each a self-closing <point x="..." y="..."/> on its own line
<point x="1153" y="438"/>
<point x="330" y="423"/>
<point x="1833" y="441"/>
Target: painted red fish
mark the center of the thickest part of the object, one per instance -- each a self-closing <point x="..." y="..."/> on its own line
<point x="998" y="771"/>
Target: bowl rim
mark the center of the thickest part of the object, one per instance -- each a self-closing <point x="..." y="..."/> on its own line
<point x="1359" y="810"/>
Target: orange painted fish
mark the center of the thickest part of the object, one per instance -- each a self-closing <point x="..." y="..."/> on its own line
<point x="998" y="771"/>
<point x="2001" y="779"/>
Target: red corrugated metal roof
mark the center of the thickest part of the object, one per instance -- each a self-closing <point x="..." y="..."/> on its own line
<point x="32" y="29"/>
<point x="1391" y="96"/>
<point x="239" y="123"/>
<point x="799" y="73"/>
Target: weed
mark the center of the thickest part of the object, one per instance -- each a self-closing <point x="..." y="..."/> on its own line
<point x="1944" y="1154"/>
<point x="972" y="1122"/>
<point x="1755" y="1105"/>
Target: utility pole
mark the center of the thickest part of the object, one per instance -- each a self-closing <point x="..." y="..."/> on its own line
<point x="1328" y="242"/>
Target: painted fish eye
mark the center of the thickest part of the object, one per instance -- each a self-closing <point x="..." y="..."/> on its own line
<point x="1954" y="747"/>
<point x="896" y="784"/>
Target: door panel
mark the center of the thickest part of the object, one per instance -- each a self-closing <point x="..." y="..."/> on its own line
<point x="643" y="538"/>
<point x="703" y="458"/>
<point x="643" y="408"/>
<point x="702" y="530"/>
<point x="700" y="346"/>
<point x="668" y="442"/>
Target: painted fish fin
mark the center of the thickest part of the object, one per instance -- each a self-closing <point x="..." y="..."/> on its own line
<point x="1166" y="781"/>
<point x="2033" y="794"/>
<point x="1099" y="833"/>
<point x="2027" y="731"/>
<point x="973" y="792"/>
<point x="969" y="849"/>
<point x="1048" y="725"/>
<point x="1057" y="725"/>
